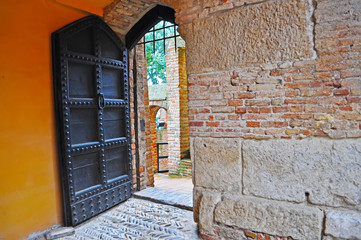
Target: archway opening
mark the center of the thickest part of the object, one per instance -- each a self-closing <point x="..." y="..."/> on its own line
<point x="160" y="82"/>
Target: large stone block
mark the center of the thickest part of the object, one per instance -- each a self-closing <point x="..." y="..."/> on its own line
<point x="271" y="217"/>
<point x="217" y="164"/>
<point x="206" y="211"/>
<point x="261" y="33"/>
<point x="343" y="224"/>
<point x="324" y="171"/>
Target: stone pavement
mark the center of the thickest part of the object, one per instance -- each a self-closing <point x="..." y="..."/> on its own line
<point x="139" y="219"/>
<point x="173" y="184"/>
<point x="169" y="190"/>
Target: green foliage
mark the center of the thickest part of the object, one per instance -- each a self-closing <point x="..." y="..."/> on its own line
<point x="156" y="64"/>
<point x="156" y="67"/>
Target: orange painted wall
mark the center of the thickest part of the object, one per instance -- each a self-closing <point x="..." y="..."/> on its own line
<point x="30" y="197"/>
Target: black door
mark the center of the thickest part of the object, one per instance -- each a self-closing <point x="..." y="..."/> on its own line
<point x="92" y="112"/>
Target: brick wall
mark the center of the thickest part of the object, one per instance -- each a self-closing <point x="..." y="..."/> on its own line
<point x="153" y="129"/>
<point x="290" y="99"/>
<point x="177" y="117"/>
<point x="173" y="113"/>
<point x="144" y="147"/>
<point x="183" y="102"/>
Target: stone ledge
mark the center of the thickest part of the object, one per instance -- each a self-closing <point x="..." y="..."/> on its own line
<point x="271" y="217"/>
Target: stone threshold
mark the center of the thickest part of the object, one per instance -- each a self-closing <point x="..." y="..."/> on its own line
<point x="157" y="195"/>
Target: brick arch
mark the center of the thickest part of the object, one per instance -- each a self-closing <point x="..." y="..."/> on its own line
<point x="122" y="15"/>
<point x="153" y="131"/>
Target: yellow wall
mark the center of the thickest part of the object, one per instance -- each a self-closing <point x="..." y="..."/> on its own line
<point x="30" y="197"/>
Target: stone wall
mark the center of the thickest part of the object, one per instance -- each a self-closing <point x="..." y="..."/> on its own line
<point x="285" y="73"/>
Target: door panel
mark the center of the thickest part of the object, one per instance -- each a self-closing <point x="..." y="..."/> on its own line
<point x="92" y="111"/>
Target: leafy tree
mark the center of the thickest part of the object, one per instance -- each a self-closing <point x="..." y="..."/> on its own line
<point x="156" y="66"/>
<point x="156" y="63"/>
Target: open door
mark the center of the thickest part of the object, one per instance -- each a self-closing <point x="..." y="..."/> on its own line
<point x="92" y="112"/>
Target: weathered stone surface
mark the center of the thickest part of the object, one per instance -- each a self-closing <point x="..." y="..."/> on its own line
<point x="271" y="217"/>
<point x="217" y="164"/>
<point x="197" y="197"/>
<point x="343" y="224"/>
<point x="139" y="219"/>
<point x="255" y="34"/>
<point x="60" y="232"/>
<point x="206" y="211"/>
<point x="227" y="233"/>
<point x="326" y="170"/>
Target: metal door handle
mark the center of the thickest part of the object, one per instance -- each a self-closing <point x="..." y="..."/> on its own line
<point x="101" y="101"/>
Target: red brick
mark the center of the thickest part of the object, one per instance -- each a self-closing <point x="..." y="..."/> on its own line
<point x="233" y="117"/>
<point x="253" y="124"/>
<point x="212" y="124"/>
<point x="249" y="136"/>
<point x="354" y="99"/>
<point x="346" y="108"/>
<point x="341" y="92"/>
<point x="251" y="235"/>
<point x="314" y="84"/>
<point x="306" y="132"/>
<point x="235" y="102"/>
<point x="264" y="109"/>
<point x="297" y="116"/>
<point x="204" y="110"/>
<point x="297" y="85"/>
<point x="240" y="110"/>
<point x="296" y="108"/>
<point x="276" y="73"/>
<point x="280" y="109"/>
<point x="253" y="110"/>
<point x="300" y="101"/>
<point x="286" y="137"/>
<point x="244" y="95"/>
<point x="274" y="124"/>
<point x="257" y="102"/>
<point x="254" y="116"/>
<point x="274" y="131"/>
<point x="193" y="111"/>
<point x="291" y="131"/>
<point x="196" y="124"/>
<point x="292" y="93"/>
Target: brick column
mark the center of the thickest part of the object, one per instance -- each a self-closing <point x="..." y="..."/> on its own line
<point x="178" y="130"/>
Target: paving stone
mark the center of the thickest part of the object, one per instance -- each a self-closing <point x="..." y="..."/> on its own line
<point x="139" y="219"/>
<point x="181" y="200"/>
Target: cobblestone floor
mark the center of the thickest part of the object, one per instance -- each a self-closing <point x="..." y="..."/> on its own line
<point x="139" y="219"/>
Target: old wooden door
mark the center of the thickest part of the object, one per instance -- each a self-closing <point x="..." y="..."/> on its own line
<point x="92" y="112"/>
